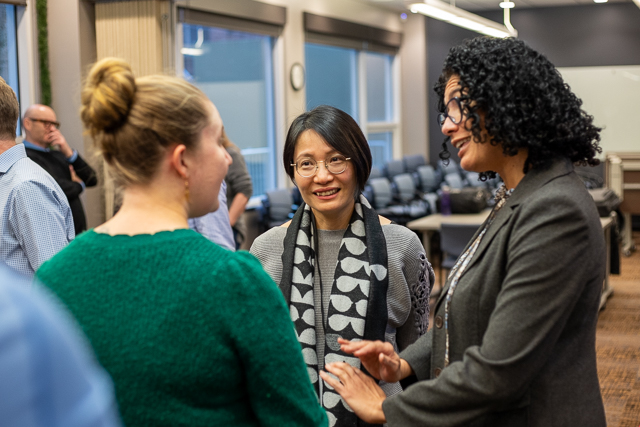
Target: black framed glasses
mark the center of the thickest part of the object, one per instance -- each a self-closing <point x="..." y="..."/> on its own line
<point x="307" y="167"/>
<point x="46" y="123"/>
<point x="453" y="111"/>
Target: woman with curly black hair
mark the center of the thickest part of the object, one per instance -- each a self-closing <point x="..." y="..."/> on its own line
<point x="514" y="336"/>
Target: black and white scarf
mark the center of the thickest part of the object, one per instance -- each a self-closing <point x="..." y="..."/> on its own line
<point x="358" y="301"/>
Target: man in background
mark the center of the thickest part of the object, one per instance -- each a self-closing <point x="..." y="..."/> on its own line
<point x="47" y="147"/>
<point x="35" y="218"/>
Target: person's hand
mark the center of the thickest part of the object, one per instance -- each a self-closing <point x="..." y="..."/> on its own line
<point x="74" y="176"/>
<point x="359" y="390"/>
<point x="379" y="358"/>
<point x="58" y="142"/>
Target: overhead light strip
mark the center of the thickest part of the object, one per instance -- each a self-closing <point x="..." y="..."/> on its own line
<point x="445" y="12"/>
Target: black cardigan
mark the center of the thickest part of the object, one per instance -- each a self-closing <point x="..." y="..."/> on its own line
<point x="57" y="165"/>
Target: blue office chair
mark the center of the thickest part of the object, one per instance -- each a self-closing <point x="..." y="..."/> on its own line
<point x="393" y="168"/>
<point x="411" y="163"/>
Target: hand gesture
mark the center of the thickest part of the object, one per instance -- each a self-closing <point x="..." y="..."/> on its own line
<point x="360" y="391"/>
<point x="379" y="358"/>
<point x="58" y="142"/>
<point x="74" y="176"/>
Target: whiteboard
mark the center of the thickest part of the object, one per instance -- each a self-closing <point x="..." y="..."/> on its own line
<point x="612" y="96"/>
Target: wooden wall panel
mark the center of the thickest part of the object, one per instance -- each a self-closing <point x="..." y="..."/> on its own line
<point x="132" y="30"/>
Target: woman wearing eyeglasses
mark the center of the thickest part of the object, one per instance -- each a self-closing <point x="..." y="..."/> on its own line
<point x="344" y="271"/>
<point x="514" y="336"/>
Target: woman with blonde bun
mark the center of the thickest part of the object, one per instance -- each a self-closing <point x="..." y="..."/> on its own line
<point x="177" y="321"/>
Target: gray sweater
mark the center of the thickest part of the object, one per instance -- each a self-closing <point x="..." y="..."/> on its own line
<point x="410" y="276"/>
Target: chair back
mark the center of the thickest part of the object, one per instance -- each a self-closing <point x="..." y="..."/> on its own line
<point x="278" y="205"/>
<point x="427" y="177"/>
<point x="454" y="239"/>
<point x="411" y="163"/>
<point x="451" y="167"/>
<point x="473" y="179"/>
<point x="382" y="195"/>
<point x="375" y="173"/>
<point x="393" y="168"/>
<point x="405" y="186"/>
<point x="453" y="180"/>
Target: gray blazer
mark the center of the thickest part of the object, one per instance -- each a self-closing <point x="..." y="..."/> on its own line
<point x="522" y="320"/>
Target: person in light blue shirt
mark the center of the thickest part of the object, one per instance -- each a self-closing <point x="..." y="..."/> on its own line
<point x="49" y="376"/>
<point x="35" y="217"/>
<point x="216" y="225"/>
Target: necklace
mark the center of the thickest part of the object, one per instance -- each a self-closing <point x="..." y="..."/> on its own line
<point x="501" y="197"/>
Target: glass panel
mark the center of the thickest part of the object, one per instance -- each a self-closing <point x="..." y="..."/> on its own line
<point x="234" y="69"/>
<point x="8" y="49"/>
<point x="379" y="93"/>
<point x="332" y="77"/>
<point x="380" y="144"/>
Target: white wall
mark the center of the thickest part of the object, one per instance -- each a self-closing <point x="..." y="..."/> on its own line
<point x="612" y="96"/>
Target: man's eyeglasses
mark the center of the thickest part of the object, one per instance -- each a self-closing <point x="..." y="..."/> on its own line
<point x="453" y="111"/>
<point x="46" y="123"/>
<point x="308" y="167"/>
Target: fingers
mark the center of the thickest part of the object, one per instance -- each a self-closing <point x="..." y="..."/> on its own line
<point x="374" y="347"/>
<point x="358" y="348"/>
<point x="351" y="346"/>
<point x="336" y="384"/>
<point x="343" y="371"/>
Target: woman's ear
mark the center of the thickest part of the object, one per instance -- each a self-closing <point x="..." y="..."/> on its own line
<point x="178" y="161"/>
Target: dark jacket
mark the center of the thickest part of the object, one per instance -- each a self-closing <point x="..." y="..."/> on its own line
<point x="522" y="319"/>
<point x="57" y="165"/>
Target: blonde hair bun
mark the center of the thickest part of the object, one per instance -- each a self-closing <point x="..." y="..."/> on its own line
<point x="108" y="95"/>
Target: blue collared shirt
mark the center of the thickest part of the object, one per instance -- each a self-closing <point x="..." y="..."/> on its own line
<point x="49" y="375"/>
<point x="216" y="226"/>
<point x="35" y="218"/>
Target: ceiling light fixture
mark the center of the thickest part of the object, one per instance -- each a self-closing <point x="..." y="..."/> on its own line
<point x="196" y="50"/>
<point x="600" y="1"/>
<point x="445" y="12"/>
<point x="507" y="6"/>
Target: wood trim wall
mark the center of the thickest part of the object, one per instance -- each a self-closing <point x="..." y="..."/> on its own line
<point x="131" y="30"/>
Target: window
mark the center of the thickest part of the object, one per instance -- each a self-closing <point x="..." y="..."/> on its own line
<point x="9" y="49"/>
<point x="360" y="83"/>
<point x="332" y="77"/>
<point x="235" y="70"/>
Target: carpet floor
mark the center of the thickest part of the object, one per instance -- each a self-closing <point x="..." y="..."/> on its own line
<point x="618" y="345"/>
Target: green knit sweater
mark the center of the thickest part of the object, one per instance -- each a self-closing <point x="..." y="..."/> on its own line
<point x="192" y="334"/>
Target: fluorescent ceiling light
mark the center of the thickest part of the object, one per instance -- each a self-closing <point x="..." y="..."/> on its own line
<point x="507" y="5"/>
<point x="600" y="1"/>
<point x="445" y="12"/>
<point x="190" y="51"/>
<point x="196" y="50"/>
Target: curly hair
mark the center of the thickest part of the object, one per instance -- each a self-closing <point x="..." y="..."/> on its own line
<point x="525" y="102"/>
